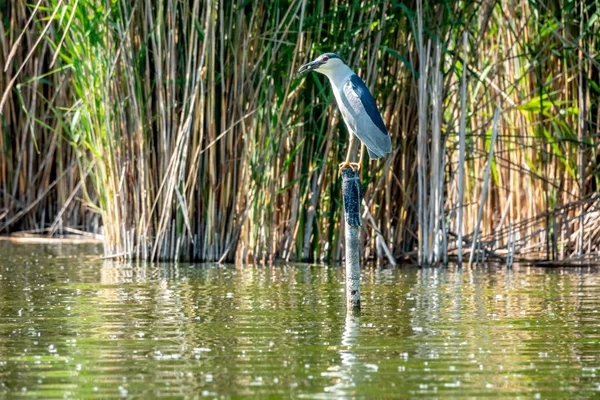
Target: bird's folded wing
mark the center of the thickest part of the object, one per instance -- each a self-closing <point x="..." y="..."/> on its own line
<point x="368" y="124"/>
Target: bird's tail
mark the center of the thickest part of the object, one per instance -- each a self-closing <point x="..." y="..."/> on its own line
<point x="378" y="145"/>
<point x="373" y="155"/>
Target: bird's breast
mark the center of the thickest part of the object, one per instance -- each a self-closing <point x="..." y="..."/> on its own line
<point x="347" y="107"/>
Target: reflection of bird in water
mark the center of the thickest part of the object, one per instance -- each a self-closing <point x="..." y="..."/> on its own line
<point x="357" y="106"/>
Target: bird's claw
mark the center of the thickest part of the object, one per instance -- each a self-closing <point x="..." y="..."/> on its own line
<point x="356" y="167"/>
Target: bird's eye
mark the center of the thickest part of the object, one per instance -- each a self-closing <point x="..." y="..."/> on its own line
<point x="325" y="58"/>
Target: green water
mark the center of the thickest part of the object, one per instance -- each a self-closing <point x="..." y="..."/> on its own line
<point x="75" y="327"/>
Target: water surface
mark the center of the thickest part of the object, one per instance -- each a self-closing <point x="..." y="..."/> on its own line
<point x="77" y="327"/>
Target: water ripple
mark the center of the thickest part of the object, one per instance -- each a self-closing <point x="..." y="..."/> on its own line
<point x="74" y="327"/>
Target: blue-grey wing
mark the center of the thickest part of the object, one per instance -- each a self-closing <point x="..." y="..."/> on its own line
<point x="364" y="118"/>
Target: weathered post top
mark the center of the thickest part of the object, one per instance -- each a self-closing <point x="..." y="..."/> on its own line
<point x="352" y="194"/>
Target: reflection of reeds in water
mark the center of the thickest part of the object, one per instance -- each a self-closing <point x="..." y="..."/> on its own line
<point x="181" y="131"/>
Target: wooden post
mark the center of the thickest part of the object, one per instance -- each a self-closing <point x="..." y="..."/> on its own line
<point x="352" y="194"/>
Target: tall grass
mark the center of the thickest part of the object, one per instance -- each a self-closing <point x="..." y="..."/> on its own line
<point x="180" y="130"/>
<point x="40" y="177"/>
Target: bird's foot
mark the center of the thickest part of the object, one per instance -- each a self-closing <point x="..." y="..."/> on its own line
<point x="358" y="166"/>
<point x="355" y="166"/>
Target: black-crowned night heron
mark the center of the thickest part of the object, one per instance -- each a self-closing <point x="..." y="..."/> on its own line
<point x="357" y="105"/>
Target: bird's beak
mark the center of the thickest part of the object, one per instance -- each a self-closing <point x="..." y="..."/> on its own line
<point x="310" y="66"/>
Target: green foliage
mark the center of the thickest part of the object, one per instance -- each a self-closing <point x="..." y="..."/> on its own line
<point x="201" y="141"/>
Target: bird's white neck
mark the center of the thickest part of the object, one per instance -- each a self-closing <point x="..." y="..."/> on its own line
<point x="339" y="75"/>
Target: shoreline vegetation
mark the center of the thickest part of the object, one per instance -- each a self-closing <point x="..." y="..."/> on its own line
<point x="180" y="131"/>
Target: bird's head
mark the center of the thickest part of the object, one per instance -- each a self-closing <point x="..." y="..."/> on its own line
<point x="325" y="63"/>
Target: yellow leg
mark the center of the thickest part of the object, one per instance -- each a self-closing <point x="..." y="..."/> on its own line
<point x="347" y="163"/>
<point x="357" y="165"/>
<point x="360" y="158"/>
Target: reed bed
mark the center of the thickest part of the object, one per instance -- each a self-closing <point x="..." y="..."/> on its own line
<point x="179" y="130"/>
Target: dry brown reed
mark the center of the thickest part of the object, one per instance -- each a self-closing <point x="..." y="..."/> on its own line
<point x="40" y="178"/>
<point x="179" y="130"/>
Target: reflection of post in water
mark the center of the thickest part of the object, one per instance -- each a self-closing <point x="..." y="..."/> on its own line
<point x="347" y="371"/>
<point x="457" y="295"/>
